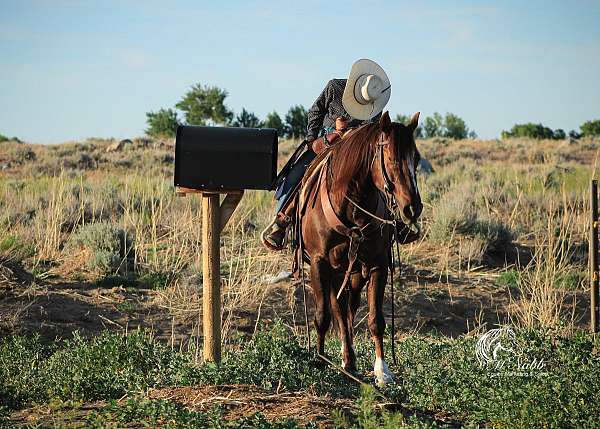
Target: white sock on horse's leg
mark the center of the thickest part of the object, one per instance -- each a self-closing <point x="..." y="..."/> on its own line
<point x="383" y="374"/>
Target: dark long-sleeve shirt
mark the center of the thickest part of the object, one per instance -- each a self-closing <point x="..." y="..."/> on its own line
<point x="327" y="108"/>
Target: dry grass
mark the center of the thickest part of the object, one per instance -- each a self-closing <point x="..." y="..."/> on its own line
<point x="481" y="191"/>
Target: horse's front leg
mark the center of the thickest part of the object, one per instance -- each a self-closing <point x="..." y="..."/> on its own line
<point x="340" y="309"/>
<point x="377" y="281"/>
<point x="320" y="281"/>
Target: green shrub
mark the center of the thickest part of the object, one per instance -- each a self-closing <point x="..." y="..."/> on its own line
<point x="108" y="246"/>
<point x="457" y="213"/>
<point x="15" y="248"/>
<point x="533" y="131"/>
<point x="273" y="359"/>
<point x="444" y="375"/>
<point x="591" y="128"/>
<point x="105" y="367"/>
<point x="159" y="413"/>
<point x="509" y="278"/>
<point x="163" y="123"/>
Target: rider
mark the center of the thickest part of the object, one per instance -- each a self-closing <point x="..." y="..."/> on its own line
<point x="343" y="104"/>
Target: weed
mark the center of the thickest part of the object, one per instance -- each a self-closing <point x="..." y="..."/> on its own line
<point x="107" y="244"/>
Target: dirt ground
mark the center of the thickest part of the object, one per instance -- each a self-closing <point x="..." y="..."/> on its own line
<point x="425" y="302"/>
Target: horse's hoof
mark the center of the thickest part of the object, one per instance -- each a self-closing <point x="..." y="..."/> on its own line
<point x="383" y="375"/>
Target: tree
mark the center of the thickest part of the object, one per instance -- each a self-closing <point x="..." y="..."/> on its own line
<point x="163" y="123"/>
<point x="205" y="105"/>
<point x="590" y="128"/>
<point x="402" y="119"/>
<point x="574" y="135"/>
<point x="273" y="120"/>
<point x="296" y="120"/>
<point x="529" y="130"/>
<point x="433" y="126"/>
<point x="455" y="127"/>
<point x="247" y="120"/>
<point x="559" y="134"/>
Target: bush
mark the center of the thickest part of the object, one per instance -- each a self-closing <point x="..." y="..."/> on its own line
<point x="107" y="245"/>
<point x="141" y="412"/>
<point x="105" y="367"/>
<point x="591" y="128"/>
<point x="458" y="214"/>
<point x="274" y="360"/>
<point x="533" y="131"/>
<point x="163" y="123"/>
<point x="4" y="138"/>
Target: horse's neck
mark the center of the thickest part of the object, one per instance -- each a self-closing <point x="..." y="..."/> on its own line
<point x="364" y="194"/>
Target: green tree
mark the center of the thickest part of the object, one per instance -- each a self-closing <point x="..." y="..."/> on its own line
<point x="163" y="123"/>
<point x="3" y="138"/>
<point x="402" y="119"/>
<point x="296" y="120"/>
<point x="273" y="120"/>
<point x="247" y="120"/>
<point x="529" y="130"/>
<point x="590" y="128"/>
<point x="559" y="134"/>
<point x="433" y="126"/>
<point x="205" y="105"/>
<point x="455" y="127"/>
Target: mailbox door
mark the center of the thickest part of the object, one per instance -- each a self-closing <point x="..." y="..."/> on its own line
<point x="218" y="158"/>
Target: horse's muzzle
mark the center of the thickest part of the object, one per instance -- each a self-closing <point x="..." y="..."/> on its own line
<point x="411" y="212"/>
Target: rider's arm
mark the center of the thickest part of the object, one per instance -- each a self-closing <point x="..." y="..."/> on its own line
<point x="316" y="114"/>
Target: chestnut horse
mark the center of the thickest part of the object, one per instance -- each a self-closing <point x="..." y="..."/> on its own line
<point x="372" y="170"/>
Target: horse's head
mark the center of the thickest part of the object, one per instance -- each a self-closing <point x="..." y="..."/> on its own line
<point x="395" y="166"/>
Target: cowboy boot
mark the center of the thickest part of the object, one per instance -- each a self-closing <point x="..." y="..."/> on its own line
<point x="273" y="236"/>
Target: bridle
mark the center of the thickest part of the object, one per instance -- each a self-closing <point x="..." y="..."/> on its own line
<point x="388" y="187"/>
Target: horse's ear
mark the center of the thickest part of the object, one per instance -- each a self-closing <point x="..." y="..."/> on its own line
<point x="385" y="122"/>
<point x="414" y="122"/>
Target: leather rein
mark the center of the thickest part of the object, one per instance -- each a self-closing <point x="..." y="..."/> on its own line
<point x="357" y="234"/>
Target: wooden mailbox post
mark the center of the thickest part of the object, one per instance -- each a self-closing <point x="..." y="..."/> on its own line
<point x="211" y="161"/>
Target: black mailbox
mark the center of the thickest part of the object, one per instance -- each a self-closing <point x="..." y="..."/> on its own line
<point x="219" y="158"/>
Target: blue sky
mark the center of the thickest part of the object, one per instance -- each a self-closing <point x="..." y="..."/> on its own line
<point x="76" y="69"/>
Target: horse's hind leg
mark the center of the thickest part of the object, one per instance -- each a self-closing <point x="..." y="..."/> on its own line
<point x="376" y="291"/>
<point x="320" y="280"/>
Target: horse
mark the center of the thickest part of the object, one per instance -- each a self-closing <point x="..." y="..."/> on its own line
<point x="369" y="176"/>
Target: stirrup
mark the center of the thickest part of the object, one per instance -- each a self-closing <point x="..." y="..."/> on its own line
<point x="265" y="242"/>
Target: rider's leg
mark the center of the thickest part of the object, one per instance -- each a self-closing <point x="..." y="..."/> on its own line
<point x="276" y="235"/>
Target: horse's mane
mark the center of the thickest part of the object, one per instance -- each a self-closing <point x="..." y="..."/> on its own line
<point x="351" y="158"/>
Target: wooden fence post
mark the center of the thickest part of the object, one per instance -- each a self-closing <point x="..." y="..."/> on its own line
<point x="211" y="277"/>
<point x="593" y="256"/>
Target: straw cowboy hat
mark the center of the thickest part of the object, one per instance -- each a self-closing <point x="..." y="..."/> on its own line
<point x="367" y="90"/>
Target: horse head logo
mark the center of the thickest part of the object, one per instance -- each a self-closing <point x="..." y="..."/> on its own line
<point x="495" y="345"/>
